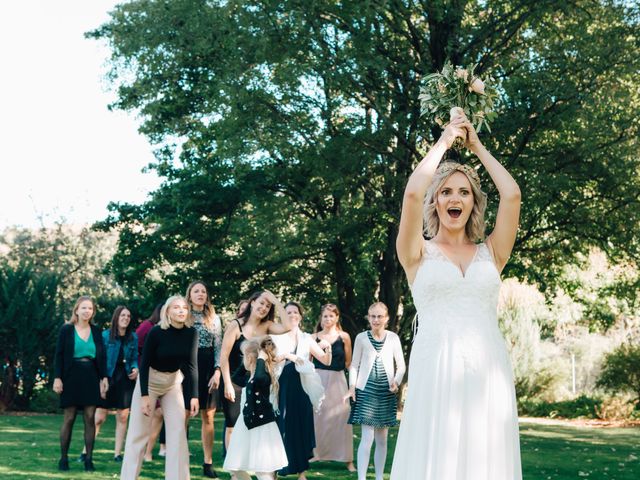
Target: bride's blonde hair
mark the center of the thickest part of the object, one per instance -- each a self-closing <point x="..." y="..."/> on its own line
<point x="475" y="227"/>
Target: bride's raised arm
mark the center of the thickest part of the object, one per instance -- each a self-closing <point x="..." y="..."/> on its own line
<point x="503" y="236"/>
<point x="410" y="240"/>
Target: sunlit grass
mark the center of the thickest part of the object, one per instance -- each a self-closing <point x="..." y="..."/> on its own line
<point x="29" y="449"/>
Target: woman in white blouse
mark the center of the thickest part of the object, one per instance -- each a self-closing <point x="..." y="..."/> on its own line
<point x="373" y="385"/>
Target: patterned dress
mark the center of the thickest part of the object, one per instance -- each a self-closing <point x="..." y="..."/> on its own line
<point x="209" y="346"/>
<point x="375" y="406"/>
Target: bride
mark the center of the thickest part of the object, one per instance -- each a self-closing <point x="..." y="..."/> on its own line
<point x="460" y="420"/>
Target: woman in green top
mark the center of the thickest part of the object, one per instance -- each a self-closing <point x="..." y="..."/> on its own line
<point x="80" y="377"/>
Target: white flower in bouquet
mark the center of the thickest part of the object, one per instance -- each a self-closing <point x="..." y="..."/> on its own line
<point x="455" y="91"/>
<point x="477" y="86"/>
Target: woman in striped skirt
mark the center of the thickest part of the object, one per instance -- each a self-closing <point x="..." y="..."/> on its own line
<point x="373" y="385"/>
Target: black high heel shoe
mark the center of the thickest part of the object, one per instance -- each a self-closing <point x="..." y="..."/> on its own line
<point x="63" y="464"/>
<point x="88" y="465"/>
<point x="208" y="471"/>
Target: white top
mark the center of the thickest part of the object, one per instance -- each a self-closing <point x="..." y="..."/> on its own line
<point x="309" y="378"/>
<point x="364" y="356"/>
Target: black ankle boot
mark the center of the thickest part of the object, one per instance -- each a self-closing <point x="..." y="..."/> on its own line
<point x="63" y="464"/>
<point x="88" y="465"/>
<point x="208" y="471"/>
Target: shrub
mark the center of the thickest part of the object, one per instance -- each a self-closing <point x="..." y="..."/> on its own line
<point x="616" y="408"/>
<point x="44" y="400"/>
<point x="579" y="407"/>
<point x="621" y="370"/>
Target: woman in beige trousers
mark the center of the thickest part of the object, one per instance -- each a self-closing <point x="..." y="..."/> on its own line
<point x="169" y="345"/>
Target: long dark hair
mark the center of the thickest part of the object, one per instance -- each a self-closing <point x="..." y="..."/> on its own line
<point x="155" y="316"/>
<point x="113" y="333"/>
<point x="247" y="313"/>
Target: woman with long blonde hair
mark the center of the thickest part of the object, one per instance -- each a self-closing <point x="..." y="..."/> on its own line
<point x="169" y="348"/>
<point x="460" y="419"/>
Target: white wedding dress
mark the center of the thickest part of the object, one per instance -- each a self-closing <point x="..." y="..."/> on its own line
<point x="460" y="419"/>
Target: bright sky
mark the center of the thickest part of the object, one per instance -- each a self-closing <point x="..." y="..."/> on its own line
<point x="62" y="153"/>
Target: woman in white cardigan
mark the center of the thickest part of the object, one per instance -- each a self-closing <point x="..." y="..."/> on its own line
<point x="373" y="384"/>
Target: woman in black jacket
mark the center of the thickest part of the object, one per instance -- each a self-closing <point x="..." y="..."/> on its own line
<point x="256" y="444"/>
<point x="80" y="377"/>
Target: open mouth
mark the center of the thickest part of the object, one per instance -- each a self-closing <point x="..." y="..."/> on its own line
<point x="454" y="212"/>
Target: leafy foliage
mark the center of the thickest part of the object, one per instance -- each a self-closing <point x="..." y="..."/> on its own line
<point x="582" y="406"/>
<point x="42" y="273"/>
<point x="286" y="132"/>
<point x="29" y="322"/>
<point x="621" y="370"/>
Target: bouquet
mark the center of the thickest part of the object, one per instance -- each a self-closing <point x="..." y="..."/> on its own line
<point x="454" y="90"/>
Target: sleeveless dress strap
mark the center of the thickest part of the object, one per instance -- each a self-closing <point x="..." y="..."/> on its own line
<point x="484" y="254"/>
<point x="239" y="326"/>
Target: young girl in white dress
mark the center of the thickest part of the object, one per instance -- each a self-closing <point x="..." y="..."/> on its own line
<point x="255" y="444"/>
<point x="460" y="420"/>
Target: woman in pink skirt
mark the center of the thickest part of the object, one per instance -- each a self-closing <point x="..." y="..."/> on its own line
<point x="334" y="436"/>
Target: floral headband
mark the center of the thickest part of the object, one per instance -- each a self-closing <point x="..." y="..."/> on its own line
<point x="469" y="171"/>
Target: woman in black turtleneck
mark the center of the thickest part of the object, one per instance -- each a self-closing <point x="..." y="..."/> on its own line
<point x="169" y="346"/>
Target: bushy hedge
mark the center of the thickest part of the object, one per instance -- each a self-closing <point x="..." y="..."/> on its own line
<point x="44" y="400"/>
<point x="580" y="407"/>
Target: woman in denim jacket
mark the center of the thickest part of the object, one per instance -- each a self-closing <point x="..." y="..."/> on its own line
<point x="121" y="345"/>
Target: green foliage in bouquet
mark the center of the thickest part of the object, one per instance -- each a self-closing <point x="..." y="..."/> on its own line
<point x="458" y="87"/>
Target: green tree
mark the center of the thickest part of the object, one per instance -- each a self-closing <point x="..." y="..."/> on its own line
<point x="78" y="257"/>
<point x="42" y="273"/>
<point x="29" y="323"/>
<point x="621" y="370"/>
<point x="286" y="131"/>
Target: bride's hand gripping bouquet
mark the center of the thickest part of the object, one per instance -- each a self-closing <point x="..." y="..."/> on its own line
<point x="456" y="91"/>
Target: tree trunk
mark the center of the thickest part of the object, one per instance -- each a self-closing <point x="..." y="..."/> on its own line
<point x="391" y="276"/>
<point x="345" y="290"/>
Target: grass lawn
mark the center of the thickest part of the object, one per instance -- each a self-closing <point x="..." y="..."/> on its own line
<point x="29" y="450"/>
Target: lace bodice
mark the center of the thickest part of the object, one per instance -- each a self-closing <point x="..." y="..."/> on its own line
<point x="445" y="297"/>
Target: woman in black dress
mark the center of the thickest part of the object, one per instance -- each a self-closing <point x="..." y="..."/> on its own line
<point x="80" y="377"/>
<point x="209" y="328"/>
<point x="230" y="409"/>
<point x="295" y="401"/>
<point x="257" y="320"/>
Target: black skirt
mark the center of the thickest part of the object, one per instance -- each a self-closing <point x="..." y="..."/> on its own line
<point x="205" y="372"/>
<point x="231" y="410"/>
<point x="295" y="421"/>
<point x="81" y="386"/>
<point x="120" y="389"/>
